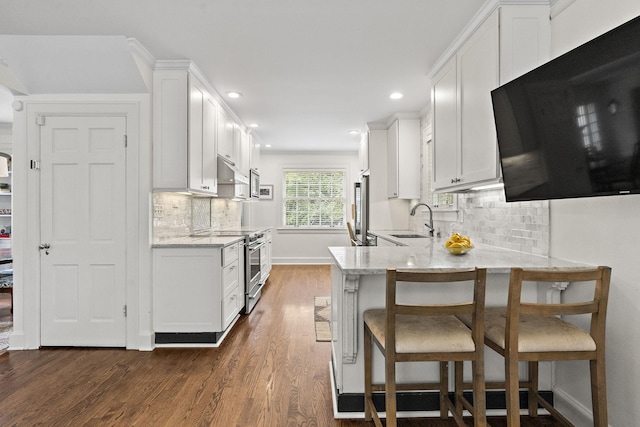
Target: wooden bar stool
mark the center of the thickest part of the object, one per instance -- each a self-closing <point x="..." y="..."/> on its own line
<point x="532" y="332"/>
<point x="427" y="332"/>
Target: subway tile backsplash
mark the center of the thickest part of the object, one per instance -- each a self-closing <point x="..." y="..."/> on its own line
<point x="176" y="214"/>
<point x="522" y="226"/>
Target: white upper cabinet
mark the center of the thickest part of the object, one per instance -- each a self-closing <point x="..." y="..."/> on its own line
<point x="363" y="152"/>
<point x="445" y="126"/>
<point x="184" y="141"/>
<point x="254" y="154"/>
<point x="227" y="137"/>
<point x="403" y="159"/>
<point x="202" y="168"/>
<point x="245" y="152"/>
<point x="512" y="40"/>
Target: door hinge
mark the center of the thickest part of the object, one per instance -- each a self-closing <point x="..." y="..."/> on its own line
<point x="126" y="142"/>
<point x="40" y="120"/>
<point x="124" y="310"/>
<point x="34" y="164"/>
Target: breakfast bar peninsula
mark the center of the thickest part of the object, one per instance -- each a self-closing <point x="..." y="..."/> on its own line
<point x="358" y="283"/>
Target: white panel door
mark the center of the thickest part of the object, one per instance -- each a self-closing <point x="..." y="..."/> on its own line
<point x="83" y="222"/>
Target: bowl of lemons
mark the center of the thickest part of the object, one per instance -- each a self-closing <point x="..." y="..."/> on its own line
<point x="458" y="244"/>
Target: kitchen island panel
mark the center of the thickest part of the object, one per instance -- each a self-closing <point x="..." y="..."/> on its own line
<point x="358" y="283"/>
<point x="355" y="294"/>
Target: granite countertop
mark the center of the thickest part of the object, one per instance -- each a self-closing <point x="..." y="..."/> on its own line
<point x="430" y="253"/>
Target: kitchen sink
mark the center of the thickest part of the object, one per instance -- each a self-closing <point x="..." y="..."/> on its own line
<point x="410" y="236"/>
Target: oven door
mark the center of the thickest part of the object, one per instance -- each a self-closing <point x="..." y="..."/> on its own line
<point x="254" y="184"/>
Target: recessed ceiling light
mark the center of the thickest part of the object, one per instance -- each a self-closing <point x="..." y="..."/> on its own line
<point x="354" y="132"/>
<point x="233" y="94"/>
<point x="396" y="95"/>
<point x="253" y="125"/>
<point x="267" y="145"/>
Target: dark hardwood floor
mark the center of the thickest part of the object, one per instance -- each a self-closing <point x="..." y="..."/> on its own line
<point x="269" y="371"/>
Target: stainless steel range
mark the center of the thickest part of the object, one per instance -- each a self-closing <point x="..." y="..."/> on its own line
<point x="254" y="248"/>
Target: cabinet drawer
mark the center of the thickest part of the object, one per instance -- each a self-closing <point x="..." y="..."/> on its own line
<point x="230" y="307"/>
<point x="230" y="253"/>
<point x="229" y="278"/>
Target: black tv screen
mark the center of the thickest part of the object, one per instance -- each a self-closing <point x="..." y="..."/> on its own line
<point x="571" y="127"/>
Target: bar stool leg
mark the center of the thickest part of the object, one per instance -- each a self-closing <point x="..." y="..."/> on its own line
<point x="599" y="392"/>
<point x="390" y="374"/>
<point x="512" y="391"/>
<point x="368" y="377"/>
<point x="533" y="389"/>
<point x="444" y="389"/>
<point x="479" y="395"/>
<point x="459" y="389"/>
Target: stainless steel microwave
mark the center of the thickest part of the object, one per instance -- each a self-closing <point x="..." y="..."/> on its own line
<point x="254" y="184"/>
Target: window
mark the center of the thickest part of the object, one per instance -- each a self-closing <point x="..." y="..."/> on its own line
<point x="314" y="198"/>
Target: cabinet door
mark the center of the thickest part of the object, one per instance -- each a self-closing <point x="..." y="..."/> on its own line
<point x="202" y="165"/>
<point x="225" y="132"/>
<point x="245" y="151"/>
<point x="170" y="123"/>
<point x="254" y="157"/>
<point x="186" y="290"/>
<point x="478" y="72"/>
<point x="445" y="126"/>
<point x="196" y="155"/>
<point x="209" y="147"/>
<point x="392" y="160"/>
<point x="363" y="152"/>
<point x="408" y="158"/>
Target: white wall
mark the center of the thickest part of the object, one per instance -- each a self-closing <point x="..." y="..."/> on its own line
<point x="299" y="246"/>
<point x="603" y="230"/>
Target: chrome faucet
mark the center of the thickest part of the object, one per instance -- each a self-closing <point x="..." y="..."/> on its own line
<point x="430" y="225"/>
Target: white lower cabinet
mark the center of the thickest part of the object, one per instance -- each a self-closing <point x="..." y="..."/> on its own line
<point x="265" y="257"/>
<point x="197" y="292"/>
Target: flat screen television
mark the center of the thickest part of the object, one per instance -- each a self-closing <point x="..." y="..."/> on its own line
<point x="571" y="127"/>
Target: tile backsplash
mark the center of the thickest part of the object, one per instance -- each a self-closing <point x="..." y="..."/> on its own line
<point x="522" y="226"/>
<point x="176" y="214"/>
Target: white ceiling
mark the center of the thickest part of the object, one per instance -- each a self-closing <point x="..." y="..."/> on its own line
<point x="309" y="70"/>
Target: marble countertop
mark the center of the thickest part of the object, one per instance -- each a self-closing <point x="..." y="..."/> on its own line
<point x="208" y="238"/>
<point x="197" y="241"/>
<point x="430" y="253"/>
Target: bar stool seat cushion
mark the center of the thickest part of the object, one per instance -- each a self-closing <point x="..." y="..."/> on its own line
<point x="423" y="334"/>
<point x="536" y="333"/>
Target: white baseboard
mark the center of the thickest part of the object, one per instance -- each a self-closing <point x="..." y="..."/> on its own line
<point x="16" y="341"/>
<point x="568" y="406"/>
<point x="146" y="342"/>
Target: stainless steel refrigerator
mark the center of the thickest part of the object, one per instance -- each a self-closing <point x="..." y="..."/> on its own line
<point x="361" y="220"/>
